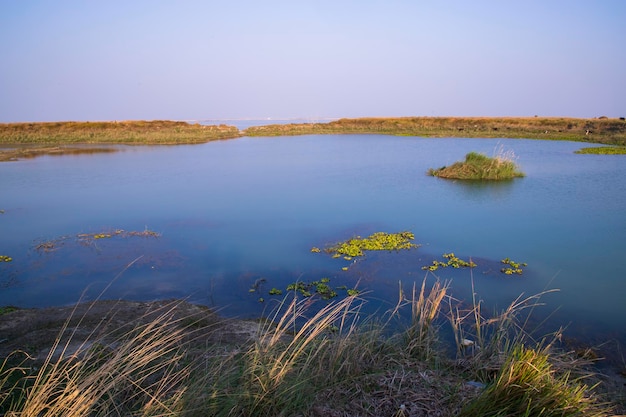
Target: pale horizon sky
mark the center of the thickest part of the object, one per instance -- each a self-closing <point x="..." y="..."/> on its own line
<point x="197" y="60"/>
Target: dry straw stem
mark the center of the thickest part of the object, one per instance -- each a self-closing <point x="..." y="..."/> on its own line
<point x="422" y="334"/>
<point x="287" y="355"/>
<point x="138" y="373"/>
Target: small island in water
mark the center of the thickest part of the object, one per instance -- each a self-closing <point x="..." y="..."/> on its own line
<point x="480" y="167"/>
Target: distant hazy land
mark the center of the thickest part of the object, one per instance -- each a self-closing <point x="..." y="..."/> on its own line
<point x="32" y="139"/>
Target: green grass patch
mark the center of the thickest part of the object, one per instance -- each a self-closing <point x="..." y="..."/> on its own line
<point x="603" y="150"/>
<point x="479" y="167"/>
<point x="528" y="384"/>
<point x="7" y="309"/>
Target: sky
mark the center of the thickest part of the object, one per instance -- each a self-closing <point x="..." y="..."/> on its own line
<point x="198" y="60"/>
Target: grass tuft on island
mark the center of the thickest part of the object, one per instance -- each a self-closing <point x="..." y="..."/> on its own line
<point x="479" y="167"/>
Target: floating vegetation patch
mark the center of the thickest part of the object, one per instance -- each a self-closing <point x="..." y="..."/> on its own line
<point x="50" y="246"/>
<point x="452" y="261"/>
<point x="380" y="241"/>
<point x="377" y="241"/>
<point x="513" y="267"/>
<point x="257" y="285"/>
<point x="89" y="238"/>
<point x="4" y="258"/>
<point x="321" y="288"/>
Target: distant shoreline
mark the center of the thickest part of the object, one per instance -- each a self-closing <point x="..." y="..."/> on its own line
<point x="23" y="140"/>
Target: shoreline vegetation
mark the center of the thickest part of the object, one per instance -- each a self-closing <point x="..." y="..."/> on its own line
<point x="307" y="357"/>
<point x="601" y="130"/>
<point x="23" y="140"/>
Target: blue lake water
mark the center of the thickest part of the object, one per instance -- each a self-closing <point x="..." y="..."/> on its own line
<point x="232" y="212"/>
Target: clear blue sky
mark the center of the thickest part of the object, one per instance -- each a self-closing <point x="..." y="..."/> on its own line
<point x="186" y="59"/>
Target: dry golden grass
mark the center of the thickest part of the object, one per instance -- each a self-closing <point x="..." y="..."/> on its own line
<point x="158" y="132"/>
<point x="609" y="131"/>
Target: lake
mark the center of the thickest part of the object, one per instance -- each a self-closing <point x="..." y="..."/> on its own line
<point x="243" y="211"/>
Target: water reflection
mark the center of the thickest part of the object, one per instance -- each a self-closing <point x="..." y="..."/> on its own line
<point x="483" y="190"/>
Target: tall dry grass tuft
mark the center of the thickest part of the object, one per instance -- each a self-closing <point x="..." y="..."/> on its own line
<point x="482" y="342"/>
<point x="292" y="356"/>
<point x="422" y="335"/>
<point x="136" y="374"/>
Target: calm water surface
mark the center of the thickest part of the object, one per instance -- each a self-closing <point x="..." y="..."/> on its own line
<point x="232" y="212"/>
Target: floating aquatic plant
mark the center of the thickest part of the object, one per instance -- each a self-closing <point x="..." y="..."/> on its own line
<point x="321" y="287"/>
<point x="377" y="241"/>
<point x="4" y="258"/>
<point x="452" y="261"/>
<point x="380" y="241"/>
<point x="257" y="283"/>
<point x="89" y="238"/>
<point x="513" y="268"/>
<point x="276" y="291"/>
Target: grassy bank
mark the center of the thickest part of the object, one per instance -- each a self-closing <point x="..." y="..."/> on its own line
<point x="310" y="358"/>
<point x="601" y="130"/>
<point x="605" y="150"/>
<point x="159" y="132"/>
<point x="33" y="139"/>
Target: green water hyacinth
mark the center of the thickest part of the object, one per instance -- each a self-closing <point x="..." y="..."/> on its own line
<point x="321" y="288"/>
<point x="513" y="268"/>
<point x="453" y="261"/>
<point x="355" y="247"/>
